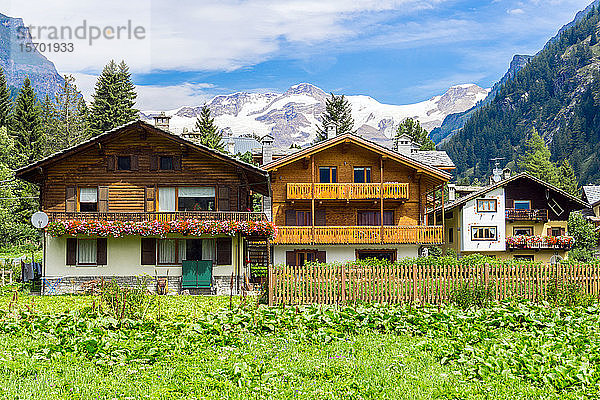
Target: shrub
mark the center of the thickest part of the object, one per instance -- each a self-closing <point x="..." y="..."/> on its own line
<point x="127" y="302"/>
<point x="568" y="294"/>
<point x="475" y="295"/>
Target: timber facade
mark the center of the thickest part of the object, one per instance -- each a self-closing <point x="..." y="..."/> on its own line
<point x="139" y="174"/>
<point x="347" y="198"/>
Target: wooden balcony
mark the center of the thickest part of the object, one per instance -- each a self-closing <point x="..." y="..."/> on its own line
<point x="512" y="214"/>
<point x="539" y="242"/>
<point x="359" y="235"/>
<point x="159" y="216"/>
<point x="347" y="191"/>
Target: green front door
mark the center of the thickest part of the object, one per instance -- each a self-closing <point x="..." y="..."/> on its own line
<point x="196" y="274"/>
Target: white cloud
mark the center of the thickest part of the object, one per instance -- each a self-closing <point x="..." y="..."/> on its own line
<point x="515" y="11"/>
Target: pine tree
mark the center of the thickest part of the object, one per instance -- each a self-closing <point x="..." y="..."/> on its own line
<point x="5" y="102"/>
<point x="567" y="180"/>
<point x="114" y="98"/>
<point x="26" y="125"/>
<point x="209" y="134"/>
<point x="593" y="38"/>
<point x="49" y="121"/>
<point x="338" y="110"/>
<point x="416" y="132"/>
<point x="71" y="116"/>
<point x="535" y="159"/>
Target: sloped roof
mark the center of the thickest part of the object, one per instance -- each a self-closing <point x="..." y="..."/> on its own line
<point x="502" y="183"/>
<point x="592" y="194"/>
<point x="363" y="143"/>
<point x="27" y="172"/>
<point x="435" y="158"/>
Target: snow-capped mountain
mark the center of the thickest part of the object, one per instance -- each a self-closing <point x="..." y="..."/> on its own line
<point x="292" y="117"/>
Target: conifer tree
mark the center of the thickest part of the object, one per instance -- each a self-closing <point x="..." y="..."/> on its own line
<point x="71" y="116"/>
<point x="26" y="125"/>
<point x="49" y="122"/>
<point x="535" y="159"/>
<point x="209" y="134"/>
<point x="338" y="110"/>
<point x="5" y="102"/>
<point x="567" y="180"/>
<point x="114" y="98"/>
<point x="593" y="38"/>
<point x="416" y="132"/>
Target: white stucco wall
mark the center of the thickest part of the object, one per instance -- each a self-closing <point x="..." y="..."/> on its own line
<point x="343" y="253"/>
<point x="124" y="259"/>
<point x="470" y="217"/>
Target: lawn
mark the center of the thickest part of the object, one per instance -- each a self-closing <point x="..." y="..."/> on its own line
<point x="195" y="347"/>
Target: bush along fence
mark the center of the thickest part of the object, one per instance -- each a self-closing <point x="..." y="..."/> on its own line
<point x="427" y="284"/>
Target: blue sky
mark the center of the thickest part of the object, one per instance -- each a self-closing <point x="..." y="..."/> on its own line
<point x="397" y="51"/>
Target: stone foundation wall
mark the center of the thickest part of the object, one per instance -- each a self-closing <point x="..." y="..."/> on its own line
<point x="77" y="284"/>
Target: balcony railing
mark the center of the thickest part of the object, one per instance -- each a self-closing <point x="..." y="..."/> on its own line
<point x="346" y="191"/>
<point x="539" y="242"/>
<point x="526" y="215"/>
<point x="159" y="216"/>
<point x="359" y="235"/>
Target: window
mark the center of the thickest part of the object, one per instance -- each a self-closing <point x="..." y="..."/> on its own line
<point x="167" y="251"/>
<point x="86" y="251"/>
<point x="303" y="218"/>
<point x="556" y="231"/>
<point x="174" y="251"/>
<point x="362" y="174"/>
<point x="88" y="199"/>
<point x="196" y="199"/>
<point x="300" y="257"/>
<point x="166" y="162"/>
<point x="387" y="255"/>
<point x="186" y="199"/>
<point x="371" y="218"/>
<point x="451" y="235"/>
<point x="523" y="231"/>
<point x="555" y="207"/>
<point x="522" y="204"/>
<point x="328" y="174"/>
<point x="524" y="257"/>
<point x="124" y="163"/>
<point x="487" y="205"/>
<point x="483" y="233"/>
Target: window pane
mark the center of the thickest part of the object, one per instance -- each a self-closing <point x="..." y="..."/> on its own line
<point x="359" y="175"/>
<point x="186" y="191"/>
<point x="124" y="163"/>
<point x="333" y="175"/>
<point x="196" y="198"/>
<point x="166" y="251"/>
<point x="368" y="175"/>
<point x="388" y="218"/>
<point x="86" y="251"/>
<point x="324" y="175"/>
<point x="166" y="199"/>
<point x="166" y="162"/>
<point x="181" y="249"/>
<point x="521" y="205"/>
<point x="88" y="195"/>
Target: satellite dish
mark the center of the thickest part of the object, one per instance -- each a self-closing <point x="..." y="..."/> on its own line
<point x="39" y="219"/>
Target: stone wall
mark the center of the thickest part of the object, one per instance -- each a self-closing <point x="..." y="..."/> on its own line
<point x="77" y="284"/>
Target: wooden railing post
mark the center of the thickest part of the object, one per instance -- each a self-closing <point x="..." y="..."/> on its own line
<point x="271" y="281"/>
<point x="414" y="282"/>
<point x="487" y="276"/>
<point x="343" y="273"/>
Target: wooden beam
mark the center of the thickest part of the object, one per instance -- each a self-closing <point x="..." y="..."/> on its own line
<point x="381" y="198"/>
<point x="312" y="196"/>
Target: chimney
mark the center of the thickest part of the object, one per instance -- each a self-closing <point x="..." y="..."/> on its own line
<point x="451" y="192"/>
<point x="267" y="149"/>
<point x="161" y="121"/>
<point x="331" y="129"/>
<point x="230" y="144"/>
<point x="506" y="173"/>
<point x="403" y="145"/>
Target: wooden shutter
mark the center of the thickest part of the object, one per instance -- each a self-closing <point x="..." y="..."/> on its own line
<point x="148" y="251"/>
<point x="223" y="198"/>
<point x="290" y="258"/>
<point x="70" y="199"/>
<point x="549" y="231"/>
<point x="563" y="231"/>
<point x="71" y="251"/>
<point x="321" y="257"/>
<point x="135" y="162"/>
<point x="290" y="217"/>
<point x="320" y="218"/>
<point x="233" y="203"/>
<point x="110" y="163"/>
<point x="101" y="251"/>
<point x="153" y="163"/>
<point x="150" y="199"/>
<point x="243" y="195"/>
<point x="224" y="251"/>
<point x="177" y="163"/>
<point x="103" y="198"/>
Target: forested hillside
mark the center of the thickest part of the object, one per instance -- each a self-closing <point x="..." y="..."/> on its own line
<point x="558" y="93"/>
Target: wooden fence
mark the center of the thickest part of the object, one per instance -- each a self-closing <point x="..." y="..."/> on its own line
<point x="344" y="284"/>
